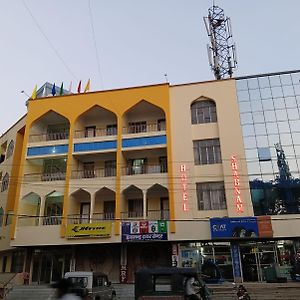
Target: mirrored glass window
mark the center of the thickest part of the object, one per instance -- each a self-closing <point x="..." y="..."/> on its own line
<point x="298" y="100"/>
<point x="290" y="102"/>
<point x="246" y="118"/>
<point x="253" y="83"/>
<point x="286" y="140"/>
<point x="245" y="107"/>
<point x="293" y="113"/>
<point x="296" y="78"/>
<point x="248" y="130"/>
<point x="297" y="89"/>
<point x="254" y="168"/>
<point x="266" y="168"/>
<point x="273" y="139"/>
<point x="263" y="82"/>
<point x="283" y="127"/>
<point x="275" y="80"/>
<point x="272" y="128"/>
<point x="296" y="139"/>
<point x="286" y="79"/>
<point x="277" y="91"/>
<point x="251" y="154"/>
<point x="250" y="142"/>
<point x="279" y="103"/>
<point x="254" y="95"/>
<point x="256" y="106"/>
<point x="262" y="141"/>
<point x="264" y="154"/>
<point x="242" y="85"/>
<point x="260" y="129"/>
<point x="289" y="152"/>
<point x="258" y="117"/>
<point x="288" y="90"/>
<point x="295" y="126"/>
<point x="281" y="115"/>
<point x="268" y="104"/>
<point x="265" y="93"/>
<point x="243" y="95"/>
<point x="293" y="165"/>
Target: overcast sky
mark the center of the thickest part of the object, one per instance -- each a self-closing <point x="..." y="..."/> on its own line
<point x="136" y="42"/>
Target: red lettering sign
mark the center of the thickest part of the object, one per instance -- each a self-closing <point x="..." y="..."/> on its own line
<point x="236" y="185"/>
<point x="184" y="186"/>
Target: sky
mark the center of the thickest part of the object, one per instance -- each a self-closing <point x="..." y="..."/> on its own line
<point x="124" y="43"/>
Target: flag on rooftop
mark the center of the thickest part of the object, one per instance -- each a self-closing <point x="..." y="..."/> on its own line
<point x="87" y="87"/>
<point x="79" y="87"/>
<point x="33" y="95"/>
<point x="61" y="89"/>
<point x="53" y="90"/>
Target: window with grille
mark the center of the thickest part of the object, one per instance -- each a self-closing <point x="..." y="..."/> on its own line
<point x="203" y="112"/>
<point x="135" y="208"/>
<point x="211" y="196"/>
<point x="207" y="152"/>
<point x="5" y="182"/>
<point x="10" y="149"/>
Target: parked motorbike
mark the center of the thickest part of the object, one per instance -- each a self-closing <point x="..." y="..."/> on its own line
<point x="241" y="292"/>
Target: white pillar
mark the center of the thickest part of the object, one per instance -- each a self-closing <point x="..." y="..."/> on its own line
<point x="42" y="209"/>
<point x="92" y="208"/>
<point x="144" y="204"/>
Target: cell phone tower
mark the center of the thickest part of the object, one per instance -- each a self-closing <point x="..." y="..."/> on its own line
<point x="221" y="49"/>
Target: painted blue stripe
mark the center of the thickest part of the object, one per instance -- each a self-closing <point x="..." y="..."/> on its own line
<point x="57" y="149"/>
<point x="81" y="147"/>
<point x="144" y="141"/>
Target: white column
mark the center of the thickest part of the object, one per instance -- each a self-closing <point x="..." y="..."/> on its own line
<point x="42" y="209"/>
<point x="92" y="208"/>
<point x="144" y="204"/>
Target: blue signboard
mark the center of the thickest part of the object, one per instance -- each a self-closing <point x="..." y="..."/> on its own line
<point x="234" y="227"/>
<point x="138" y="231"/>
<point x="236" y="262"/>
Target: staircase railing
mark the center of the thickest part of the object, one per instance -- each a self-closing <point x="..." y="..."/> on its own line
<point x="6" y="287"/>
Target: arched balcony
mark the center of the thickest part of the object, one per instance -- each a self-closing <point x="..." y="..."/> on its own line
<point x="158" y="203"/>
<point x="105" y="203"/>
<point x="29" y="210"/>
<point x="79" y="207"/>
<point x="132" y="204"/>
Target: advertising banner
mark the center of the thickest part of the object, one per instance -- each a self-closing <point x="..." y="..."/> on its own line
<point x="100" y="229"/>
<point x="133" y="231"/>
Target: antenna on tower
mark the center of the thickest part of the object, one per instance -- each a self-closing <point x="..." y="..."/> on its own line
<point x="221" y="49"/>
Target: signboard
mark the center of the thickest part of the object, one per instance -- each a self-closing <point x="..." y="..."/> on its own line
<point x="236" y="185"/>
<point x="100" y="229"/>
<point x="123" y="274"/>
<point x="183" y="179"/>
<point x="236" y="261"/>
<point x="144" y="231"/>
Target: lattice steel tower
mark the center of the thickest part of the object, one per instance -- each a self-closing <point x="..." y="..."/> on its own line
<point x="221" y="50"/>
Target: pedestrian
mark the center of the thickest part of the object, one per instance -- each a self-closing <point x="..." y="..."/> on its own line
<point x="63" y="290"/>
<point x="26" y="278"/>
<point x="192" y="288"/>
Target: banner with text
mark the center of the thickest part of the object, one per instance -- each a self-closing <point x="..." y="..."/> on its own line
<point x="100" y="229"/>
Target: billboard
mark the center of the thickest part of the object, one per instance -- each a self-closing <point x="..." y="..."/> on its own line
<point x="133" y="231"/>
<point x="247" y="227"/>
<point x="100" y="229"/>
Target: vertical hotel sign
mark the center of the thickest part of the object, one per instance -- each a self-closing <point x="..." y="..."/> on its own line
<point x="237" y="185"/>
<point x="183" y="180"/>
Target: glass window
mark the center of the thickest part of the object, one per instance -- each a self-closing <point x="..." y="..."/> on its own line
<point x="256" y="106"/>
<point x="290" y="102"/>
<point x="271" y="128"/>
<point x="248" y="130"/>
<point x="281" y="115"/>
<point x="296" y="138"/>
<point x="245" y="107"/>
<point x="289" y="152"/>
<point x="211" y="196"/>
<point x="270" y="116"/>
<point x="286" y="139"/>
<point x="286" y="79"/>
<point x="262" y="141"/>
<point x="5" y="182"/>
<point x="273" y="139"/>
<point x="137" y="127"/>
<point x="266" y="167"/>
<point x="203" y="112"/>
<point x="137" y="166"/>
<point x="135" y="208"/>
<point x="10" y="149"/>
<point x="275" y="80"/>
<point x="276" y="92"/>
<point x="288" y="90"/>
<point x="253" y="168"/>
<point x="265" y="93"/>
<point x="279" y="103"/>
<point x="267" y="104"/>
<point x="258" y="117"/>
<point x="297" y="89"/>
<point x="293" y="114"/>
<point x="295" y="125"/>
<point x="263" y="82"/>
<point x="283" y="127"/>
<point x="111" y="129"/>
<point x="293" y="165"/>
<point x="243" y="95"/>
<point x="246" y="118"/>
<point x="260" y="129"/>
<point x="264" y="154"/>
<point x="252" y="153"/>
<point x="254" y="94"/>
<point x="207" y="152"/>
<point x="252" y="83"/>
<point x="250" y="142"/>
<point x="295" y="78"/>
<point x="241" y="85"/>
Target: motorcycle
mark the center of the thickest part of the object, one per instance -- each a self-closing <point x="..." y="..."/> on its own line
<point x="241" y="292"/>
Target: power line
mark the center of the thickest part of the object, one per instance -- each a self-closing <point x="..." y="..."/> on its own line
<point x="48" y="40"/>
<point x="95" y="45"/>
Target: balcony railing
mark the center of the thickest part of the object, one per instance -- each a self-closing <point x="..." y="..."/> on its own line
<point x="52" y="136"/>
<point x="79" y="218"/>
<point x="151" y="215"/>
<point x="97" y="173"/>
<point x="36" y="220"/>
<point x="44" y="176"/>
<point x="139" y="128"/>
<point x="98" y="132"/>
<point x="145" y="169"/>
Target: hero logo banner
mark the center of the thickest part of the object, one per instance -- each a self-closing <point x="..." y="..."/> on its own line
<point x="237" y="185"/>
<point x="144" y="231"/>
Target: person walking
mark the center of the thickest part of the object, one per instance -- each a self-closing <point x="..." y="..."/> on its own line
<point x="63" y="290"/>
